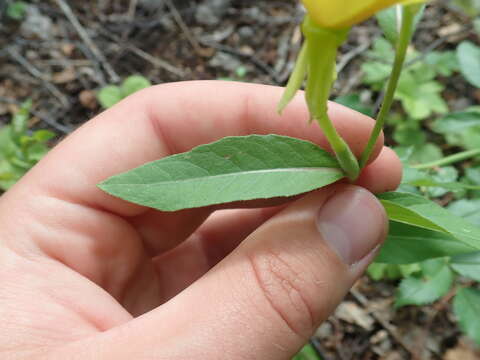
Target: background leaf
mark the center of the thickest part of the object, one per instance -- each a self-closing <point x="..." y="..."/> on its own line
<point x="378" y="271"/>
<point x="109" y="96"/>
<point x="307" y="353"/>
<point x="354" y="102"/>
<point x="133" y="84"/>
<point x="461" y="128"/>
<point x="467" y="209"/>
<point x="417" y="211"/>
<point x="467" y="265"/>
<point x="16" y="10"/>
<point x="466" y="306"/>
<point x="435" y="281"/>
<point x="388" y="21"/>
<point x="469" y="59"/>
<point x="407" y="244"/>
<point x="231" y="169"/>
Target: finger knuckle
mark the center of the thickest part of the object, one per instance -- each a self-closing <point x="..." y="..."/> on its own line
<point x="284" y="288"/>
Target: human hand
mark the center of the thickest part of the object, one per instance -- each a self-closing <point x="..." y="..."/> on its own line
<point x="84" y="275"/>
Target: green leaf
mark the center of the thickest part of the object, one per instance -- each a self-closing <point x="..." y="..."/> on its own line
<point x="388" y="21"/>
<point x="446" y="175"/>
<point x="466" y="306"/>
<point x="472" y="177"/>
<point x="6" y="142"/>
<point x="467" y="265"/>
<point x="134" y="83"/>
<point x="421" y="229"/>
<point x="307" y="353"/>
<point x="43" y="135"/>
<point x="375" y="73"/>
<point x="421" y="154"/>
<point x="109" y="96"/>
<point x="445" y="63"/>
<point x="476" y="25"/>
<point x="470" y="7"/>
<point x="417" y="211"/>
<point x="460" y="129"/>
<point x="420" y="99"/>
<point x="20" y="119"/>
<point x="409" y="133"/>
<point x="467" y="209"/>
<point x="382" y="50"/>
<point x="354" y="102"/>
<point x="469" y="58"/>
<point x="435" y="281"/>
<point x="379" y="271"/>
<point x="16" y="10"/>
<point x="408" y="244"/>
<point x="231" y="169"/>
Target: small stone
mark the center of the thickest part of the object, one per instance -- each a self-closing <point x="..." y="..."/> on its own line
<point x="36" y="25"/>
<point x="67" y="48"/>
<point x="225" y="61"/>
<point x="449" y="30"/>
<point x="151" y="5"/>
<point x="379" y="337"/>
<point x="64" y="76"/>
<point x="246" y="32"/>
<point x="324" y="331"/>
<point x="352" y="313"/>
<point x="87" y="99"/>
<point x="211" y="11"/>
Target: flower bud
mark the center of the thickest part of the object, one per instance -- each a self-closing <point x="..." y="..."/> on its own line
<point x="338" y="14"/>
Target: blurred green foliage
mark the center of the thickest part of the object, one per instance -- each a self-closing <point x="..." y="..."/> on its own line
<point x="20" y="149"/>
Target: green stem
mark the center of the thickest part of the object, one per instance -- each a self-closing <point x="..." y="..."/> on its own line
<point x="347" y="160"/>
<point x="449" y="160"/>
<point x="321" y="53"/>
<point x="406" y="33"/>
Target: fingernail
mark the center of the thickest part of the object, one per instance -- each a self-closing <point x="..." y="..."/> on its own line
<point x="353" y="223"/>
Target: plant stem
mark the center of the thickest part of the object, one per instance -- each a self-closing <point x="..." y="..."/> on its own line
<point x="321" y="53"/>
<point x="406" y="33"/>
<point x="449" y="160"/>
<point x="348" y="162"/>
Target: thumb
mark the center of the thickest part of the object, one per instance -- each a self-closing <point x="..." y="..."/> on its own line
<point x="266" y="298"/>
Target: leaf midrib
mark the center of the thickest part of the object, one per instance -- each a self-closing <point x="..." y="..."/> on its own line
<point x="249" y="172"/>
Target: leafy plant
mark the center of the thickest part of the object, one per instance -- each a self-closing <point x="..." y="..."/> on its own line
<point x="239" y="75"/>
<point x="460" y="129"/>
<point x="469" y="58"/>
<point x="427" y="244"/>
<point x="431" y="283"/>
<point x="466" y="306"/>
<point x="418" y="90"/>
<point x="20" y="150"/>
<point x="112" y="94"/>
<point x="470" y="7"/>
<point x="16" y="10"/>
<point x="436" y="279"/>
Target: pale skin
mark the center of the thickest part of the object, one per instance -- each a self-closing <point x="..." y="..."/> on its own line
<point x="88" y="276"/>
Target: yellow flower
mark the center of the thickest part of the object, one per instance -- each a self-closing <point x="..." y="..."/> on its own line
<point x="337" y="14"/>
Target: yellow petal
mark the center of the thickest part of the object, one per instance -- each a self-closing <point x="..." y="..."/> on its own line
<point x="338" y="14"/>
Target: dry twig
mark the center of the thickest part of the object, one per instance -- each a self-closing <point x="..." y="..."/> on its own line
<point x="88" y="41"/>
<point x="362" y="300"/>
<point x="19" y="58"/>
<point x="157" y="62"/>
<point x="188" y="34"/>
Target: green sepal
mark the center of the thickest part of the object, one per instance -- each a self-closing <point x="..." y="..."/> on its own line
<point x="296" y="79"/>
<point x="322" y="48"/>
